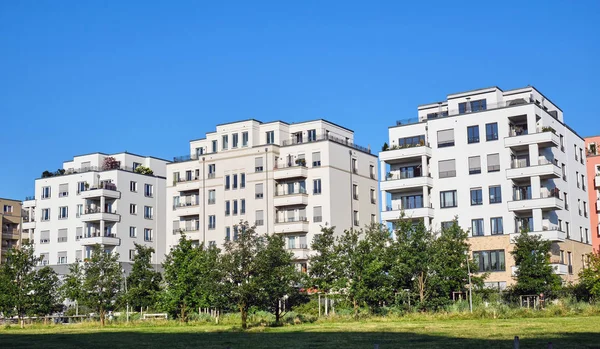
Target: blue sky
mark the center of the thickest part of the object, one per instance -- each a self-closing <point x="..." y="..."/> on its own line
<point x="148" y="76"/>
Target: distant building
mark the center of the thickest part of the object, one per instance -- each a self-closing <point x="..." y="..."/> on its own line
<point x="10" y="222"/>
<point x="592" y="145"/>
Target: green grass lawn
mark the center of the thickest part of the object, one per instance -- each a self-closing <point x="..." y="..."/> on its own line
<point x="567" y="332"/>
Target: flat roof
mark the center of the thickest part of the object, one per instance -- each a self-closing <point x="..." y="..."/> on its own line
<point x="123" y="152"/>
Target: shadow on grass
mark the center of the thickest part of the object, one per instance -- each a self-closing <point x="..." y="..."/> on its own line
<point x="300" y="340"/>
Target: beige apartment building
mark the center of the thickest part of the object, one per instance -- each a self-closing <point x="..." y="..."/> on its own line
<point x="10" y="221"/>
<point x="284" y="178"/>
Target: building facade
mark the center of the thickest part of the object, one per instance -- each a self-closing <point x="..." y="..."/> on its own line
<point x="10" y="223"/>
<point x="500" y="161"/>
<point x="288" y="179"/>
<point x="593" y="182"/>
<point x="98" y="199"/>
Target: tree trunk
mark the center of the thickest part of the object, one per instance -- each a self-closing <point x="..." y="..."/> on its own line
<point x="422" y="287"/>
<point x="102" y="315"/>
<point x="355" y="309"/>
<point x="244" y="312"/>
<point x="22" y="321"/>
<point x="277" y="311"/>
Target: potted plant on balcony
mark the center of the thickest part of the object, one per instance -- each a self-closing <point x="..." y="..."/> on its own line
<point x="301" y="162"/>
<point x="86" y="185"/>
<point x="385" y="147"/>
<point x="144" y="170"/>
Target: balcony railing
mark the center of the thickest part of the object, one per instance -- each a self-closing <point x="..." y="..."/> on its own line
<point x="398" y="207"/>
<point x="392" y="176"/>
<point x="285" y="165"/>
<point x="98" y="235"/>
<point x="187" y="204"/>
<point x="186" y="229"/>
<point x="184" y="180"/>
<point x="184" y="158"/>
<point x="522" y="163"/>
<point x="295" y="192"/>
<point x="92" y="210"/>
<point x="298" y="247"/>
<point x="515" y="132"/>
<point x="406" y="146"/>
<point x="291" y="219"/>
<point x="326" y="137"/>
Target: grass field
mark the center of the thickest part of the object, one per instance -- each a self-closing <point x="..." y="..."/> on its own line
<point x="568" y="332"/>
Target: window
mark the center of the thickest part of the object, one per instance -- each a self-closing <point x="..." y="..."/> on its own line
<point x="214" y="146"/>
<point x="148" y="212"/>
<point x="225" y="142"/>
<point x="491" y="131"/>
<point x="372" y="171"/>
<point x="133" y="186"/>
<point x="373" y="219"/>
<point x="477" y="227"/>
<point x="227" y="182"/>
<point x="474" y="165"/>
<point x="258" y="190"/>
<point x="227" y="233"/>
<point x="79" y="211"/>
<point x="567" y="230"/>
<point x="473" y="134"/>
<point x="63" y="212"/>
<point x="448" y="199"/>
<point x="46" y="193"/>
<point x="8" y="209"/>
<point x="355" y="191"/>
<point x="445" y="138"/>
<point x="199" y="151"/>
<point x="242" y="180"/>
<point x="472" y="106"/>
<point x="497" y="226"/>
<point x="131" y="254"/>
<point x="316" y="159"/>
<point x="493" y="162"/>
<point x="373" y="197"/>
<point x="148" y="190"/>
<point x="243" y="206"/>
<point x="63" y="235"/>
<point x="80" y="187"/>
<point x="317" y="214"/>
<point x="132" y="208"/>
<point x="132" y="232"/>
<point x="581" y="156"/>
<point x="235" y="207"/>
<point x="244" y="139"/>
<point x="148" y="234"/>
<point x="312" y="135"/>
<point x="354" y="166"/>
<point x="495" y="194"/>
<point x="476" y="197"/>
<point x="212" y="221"/>
<point x="447" y="168"/>
<point x="411" y="141"/>
<point x="317" y="186"/>
<point x="355" y="215"/>
<point x="583" y="182"/>
<point x="258" y="162"/>
<point x="566" y="200"/>
<point x="63" y="190"/>
<point x="270" y="137"/>
<point x="260" y="218"/>
<point x="235" y="181"/>
<point x="62" y="257"/>
<point x="234" y="140"/>
<point x="45" y="214"/>
<point x="490" y="260"/>
<point x="227" y="208"/>
<point x="577" y="178"/>
<point x="212" y="196"/>
<point x="78" y="233"/>
<point x="45" y="237"/>
<point x="585" y="213"/>
<point x="447" y="225"/>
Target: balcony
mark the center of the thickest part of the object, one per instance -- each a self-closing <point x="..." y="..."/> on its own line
<point x="284" y="198"/>
<point x="394" y="212"/>
<point x="300" y="251"/>
<point x="11" y="234"/>
<point x="548" y="234"/>
<point x="93" y="239"/>
<point x="548" y="200"/>
<point x="29" y="202"/>
<point x="544" y="137"/>
<point x="397" y="155"/>
<point x="187" y="208"/>
<point x="545" y="169"/>
<point x="560" y="269"/>
<point x="287" y="171"/>
<point x="28" y="225"/>
<point x="95" y="214"/>
<point x="395" y="182"/>
<point x="185" y="184"/>
<point x="106" y="191"/>
<point x="291" y="225"/>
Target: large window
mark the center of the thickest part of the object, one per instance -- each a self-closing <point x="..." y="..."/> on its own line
<point x="445" y="138"/>
<point x="234" y="140"/>
<point x="212" y="196"/>
<point x="472" y="106"/>
<point x="317" y="186"/>
<point x="493" y="162"/>
<point x="312" y="135"/>
<point x="46" y="193"/>
<point x="258" y="190"/>
<point x="473" y="134"/>
<point x="411" y="141"/>
<point x="448" y="199"/>
<point x="148" y="212"/>
<point x="225" y="144"/>
<point x="148" y="234"/>
<point x="244" y="139"/>
<point x="212" y="222"/>
<point x="476" y="197"/>
<point x="447" y="168"/>
<point x="490" y="260"/>
<point x="495" y="194"/>
<point x="474" y="165"/>
<point x="148" y="190"/>
<point x="477" y="227"/>
<point x="63" y="212"/>
<point x="497" y="226"/>
<point x="412" y="201"/>
<point x="270" y="137"/>
<point x="491" y="131"/>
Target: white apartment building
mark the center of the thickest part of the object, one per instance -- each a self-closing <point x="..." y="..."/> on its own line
<point x="288" y="179"/>
<point x="499" y="161"/>
<point x="96" y="201"/>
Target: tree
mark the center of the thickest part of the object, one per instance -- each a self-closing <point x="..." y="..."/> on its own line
<point x="143" y="283"/>
<point x="72" y="286"/>
<point x="102" y="280"/>
<point x="324" y="263"/>
<point x="17" y="283"/>
<point x="276" y="273"/>
<point x="534" y="273"/>
<point x="45" y="297"/>
<point x="144" y="170"/>
<point x="589" y="277"/>
<point x="193" y="278"/>
<point x="241" y="267"/>
<point x="110" y="163"/>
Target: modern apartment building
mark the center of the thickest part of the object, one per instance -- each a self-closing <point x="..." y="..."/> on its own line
<point x="10" y="223"/>
<point x="500" y="161"/>
<point x="98" y="199"/>
<point x="593" y="182"/>
<point x="287" y="179"/>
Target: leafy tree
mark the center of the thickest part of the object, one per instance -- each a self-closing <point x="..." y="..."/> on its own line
<point x="144" y="170"/>
<point x="17" y="282"/>
<point x="534" y="275"/>
<point x="110" y="163"/>
<point x="241" y="266"/>
<point x="324" y="263"/>
<point x="72" y="286"/>
<point x="46" y="295"/>
<point x="193" y="279"/>
<point x="143" y="283"/>
<point x="276" y="273"/>
<point x="102" y="280"/>
<point x="589" y="277"/>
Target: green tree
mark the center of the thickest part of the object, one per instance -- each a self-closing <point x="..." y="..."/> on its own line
<point x="193" y="279"/>
<point x="276" y="273"/>
<point x="102" y="280"/>
<point x="72" y="286"/>
<point x="534" y="273"/>
<point x="46" y="295"/>
<point x="589" y="277"/>
<point x="143" y="283"/>
<point x="17" y="282"/>
<point x="241" y="266"/>
<point x="144" y="170"/>
<point x="324" y="268"/>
